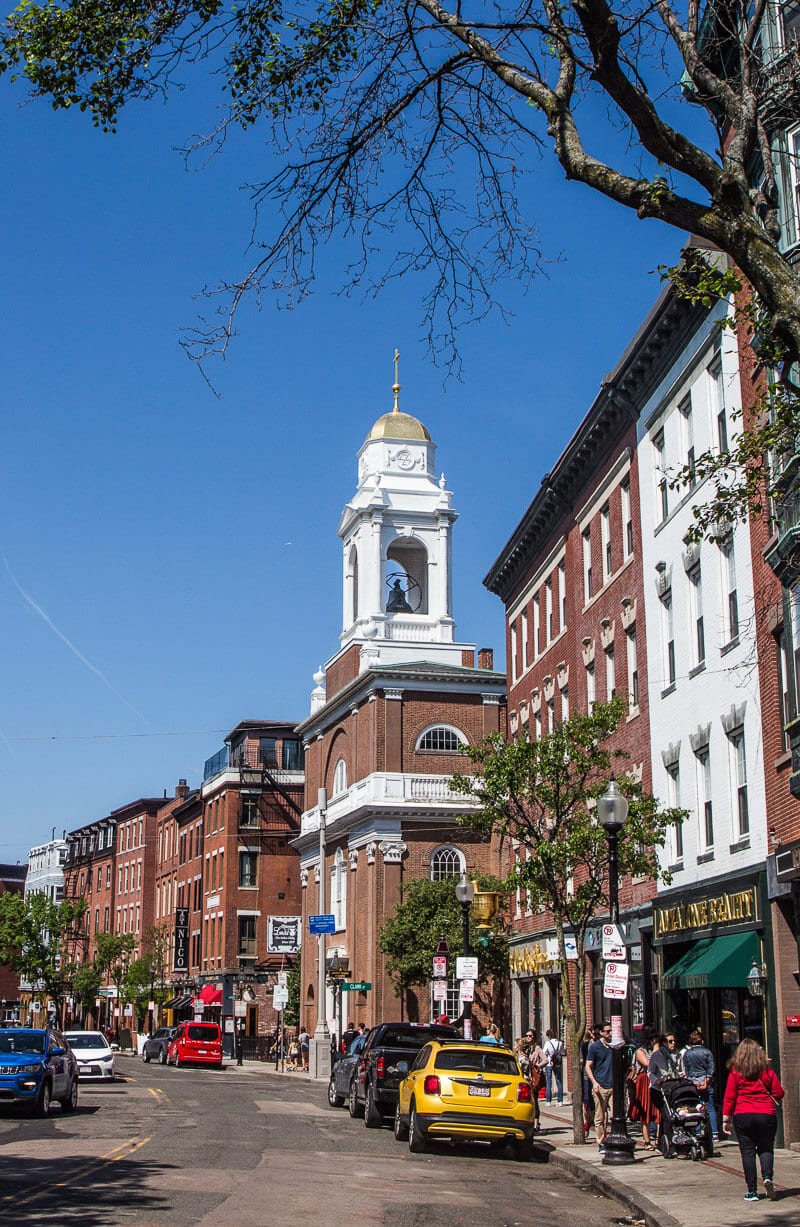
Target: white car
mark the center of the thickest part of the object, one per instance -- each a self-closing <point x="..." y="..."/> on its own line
<point x="92" y="1052"/>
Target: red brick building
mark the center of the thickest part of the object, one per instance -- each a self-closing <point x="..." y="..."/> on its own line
<point x="399" y="698"/>
<point x="12" y="878"/>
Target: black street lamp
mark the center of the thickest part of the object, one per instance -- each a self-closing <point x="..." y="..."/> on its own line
<point x="612" y="810"/>
<point x="465" y="893"/>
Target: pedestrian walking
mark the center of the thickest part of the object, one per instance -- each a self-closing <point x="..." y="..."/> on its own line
<point x="554" y="1051"/>
<point x="598" y="1070"/>
<point x="536" y="1066"/>
<point x="751" y="1100"/>
<point x="591" y="1033"/>
<point x="305" y="1041"/>
<point x="642" y="1109"/>
<point x="698" y="1065"/>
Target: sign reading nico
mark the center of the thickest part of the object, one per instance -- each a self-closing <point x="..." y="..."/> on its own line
<point x="325" y="922"/>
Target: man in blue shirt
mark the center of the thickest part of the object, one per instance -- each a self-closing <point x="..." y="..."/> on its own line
<point x="599" y="1060"/>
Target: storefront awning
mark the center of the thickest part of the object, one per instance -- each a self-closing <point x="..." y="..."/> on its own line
<point x="178" y="1003"/>
<point x="209" y="995"/>
<point x="715" y="962"/>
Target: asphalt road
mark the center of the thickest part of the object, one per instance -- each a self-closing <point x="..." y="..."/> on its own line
<point x="245" y="1148"/>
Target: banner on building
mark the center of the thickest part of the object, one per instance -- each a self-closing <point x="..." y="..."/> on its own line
<point x="283" y="934"/>
<point x="180" y="960"/>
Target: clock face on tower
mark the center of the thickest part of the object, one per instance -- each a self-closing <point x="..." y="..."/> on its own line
<point x="404" y="593"/>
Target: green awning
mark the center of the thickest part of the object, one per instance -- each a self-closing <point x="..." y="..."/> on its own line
<point x="715" y="962"/>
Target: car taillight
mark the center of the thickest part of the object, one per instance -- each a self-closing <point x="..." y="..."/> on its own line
<point x="524" y="1093"/>
<point x="380" y="1067"/>
<point x="432" y="1085"/>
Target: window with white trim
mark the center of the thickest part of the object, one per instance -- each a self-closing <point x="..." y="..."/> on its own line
<point x="591" y="691"/>
<point x="660" y="474"/>
<point x="605" y="541"/>
<point x="611" y="673"/>
<point x="697" y="625"/>
<point x="668" y="638"/>
<point x="633" y="667"/>
<point x="565" y="703"/>
<point x="524" y="632"/>
<point x="548" y="610"/>
<point x="730" y="599"/>
<point x="514" y="668"/>
<point x="705" y="808"/>
<point x="793" y="143"/>
<point x="447" y="862"/>
<point x="687" y="437"/>
<point x="537" y="632"/>
<point x="339" y="890"/>
<point x="441" y="739"/>
<point x="719" y="417"/>
<point x="551" y="715"/>
<point x="562" y="597"/>
<point x="741" y="808"/>
<point x="790" y="23"/>
<point x="340" y="777"/>
<point x="674" y="802"/>
<point x="627" y="519"/>
<point x="588" y="587"/>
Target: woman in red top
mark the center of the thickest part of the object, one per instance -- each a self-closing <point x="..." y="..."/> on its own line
<point x="751" y="1098"/>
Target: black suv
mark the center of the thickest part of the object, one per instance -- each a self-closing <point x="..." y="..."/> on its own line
<point x="373" y="1090"/>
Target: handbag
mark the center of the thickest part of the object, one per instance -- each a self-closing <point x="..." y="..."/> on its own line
<point x="777" y="1102"/>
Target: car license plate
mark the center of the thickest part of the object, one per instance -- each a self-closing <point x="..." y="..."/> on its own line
<point x="480" y="1090"/>
<point x="202" y="1052"/>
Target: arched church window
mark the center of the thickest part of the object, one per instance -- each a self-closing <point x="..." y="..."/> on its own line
<point x="339" y="890"/>
<point x="406" y="576"/>
<point x="446" y="862"/>
<point x="440" y="739"/>
<point x="339" y="777"/>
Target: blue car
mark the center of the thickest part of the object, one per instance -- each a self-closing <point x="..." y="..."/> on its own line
<point x="37" y="1067"/>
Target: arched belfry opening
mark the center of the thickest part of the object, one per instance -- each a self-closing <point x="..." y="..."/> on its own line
<point x="406" y="575"/>
<point x="351" y="587"/>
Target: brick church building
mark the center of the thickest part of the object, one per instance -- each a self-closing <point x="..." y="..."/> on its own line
<point x="388" y="714"/>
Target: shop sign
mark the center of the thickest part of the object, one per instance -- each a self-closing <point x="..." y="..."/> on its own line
<point x="180" y="955"/>
<point x="793" y="1020"/>
<point x="731" y="908"/>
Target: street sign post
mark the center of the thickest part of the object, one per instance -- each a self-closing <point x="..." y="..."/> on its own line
<point x="356" y="986"/>
<point x="325" y="922"/>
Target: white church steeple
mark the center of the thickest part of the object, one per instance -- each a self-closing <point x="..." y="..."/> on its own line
<point x="396" y="547"/>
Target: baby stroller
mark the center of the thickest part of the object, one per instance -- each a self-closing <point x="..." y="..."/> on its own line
<point x="685" y="1127"/>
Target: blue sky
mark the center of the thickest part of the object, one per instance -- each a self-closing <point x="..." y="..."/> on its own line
<point x="170" y="563"/>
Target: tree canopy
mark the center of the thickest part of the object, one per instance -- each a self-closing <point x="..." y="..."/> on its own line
<point x="539" y="797"/>
<point x="381" y="109"/>
<point x="37" y="940"/>
<point x="428" y="912"/>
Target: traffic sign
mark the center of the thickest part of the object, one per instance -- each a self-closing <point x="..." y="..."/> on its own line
<point x="280" y="998"/>
<point x="440" y="990"/>
<point x="325" y="922"/>
<point x="466" y="990"/>
<point x="439" y="966"/>
<point x="613" y="944"/>
<point x="356" y="986"/>
<point x="467" y="968"/>
<point x="615" y="981"/>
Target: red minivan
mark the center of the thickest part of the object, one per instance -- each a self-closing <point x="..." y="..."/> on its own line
<point x="197" y="1043"/>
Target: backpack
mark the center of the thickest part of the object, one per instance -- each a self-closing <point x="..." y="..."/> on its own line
<point x="556" y="1053"/>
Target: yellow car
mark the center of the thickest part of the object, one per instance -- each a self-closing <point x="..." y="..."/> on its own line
<point x="459" y="1090"/>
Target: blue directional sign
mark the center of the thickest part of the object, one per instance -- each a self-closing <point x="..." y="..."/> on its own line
<point x="324" y="923"/>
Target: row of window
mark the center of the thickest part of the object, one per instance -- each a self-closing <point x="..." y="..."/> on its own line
<point x="705" y="819"/>
<point x="679" y="450"/>
<point x="696" y="630"/>
<point x="545" y="618"/>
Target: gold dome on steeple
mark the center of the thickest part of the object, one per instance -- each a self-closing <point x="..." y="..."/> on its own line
<point x="397" y="425"/>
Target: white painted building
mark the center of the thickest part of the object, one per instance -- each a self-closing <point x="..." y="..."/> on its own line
<point x="705" y="725"/>
<point x="46" y="870"/>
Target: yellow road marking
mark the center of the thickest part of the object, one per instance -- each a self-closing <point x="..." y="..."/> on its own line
<point x="123" y="1151"/>
<point x="158" y="1094"/>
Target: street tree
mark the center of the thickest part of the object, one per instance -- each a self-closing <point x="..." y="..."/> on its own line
<point x="437" y="115"/>
<point x="540" y="797"/>
<point x="112" y="957"/>
<point x="38" y="939"/>
<point x="85" y="986"/>
<point x="428" y="912"/>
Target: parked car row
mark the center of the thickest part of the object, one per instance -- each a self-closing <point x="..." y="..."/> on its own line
<point x="190" y="1043"/>
<point x="435" y="1086"/>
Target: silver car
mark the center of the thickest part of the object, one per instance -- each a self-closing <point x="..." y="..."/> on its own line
<point x="92" y="1052"/>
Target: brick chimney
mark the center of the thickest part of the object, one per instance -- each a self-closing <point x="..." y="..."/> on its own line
<point x="182" y="789"/>
<point x="486" y="658"/>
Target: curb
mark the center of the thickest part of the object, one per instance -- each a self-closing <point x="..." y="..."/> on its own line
<point x="604" y="1182"/>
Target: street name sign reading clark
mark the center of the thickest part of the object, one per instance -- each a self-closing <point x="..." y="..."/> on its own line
<point x="180" y="961"/>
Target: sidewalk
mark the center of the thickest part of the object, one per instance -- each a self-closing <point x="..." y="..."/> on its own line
<point x="658" y="1192"/>
<point x="676" y="1192"/>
